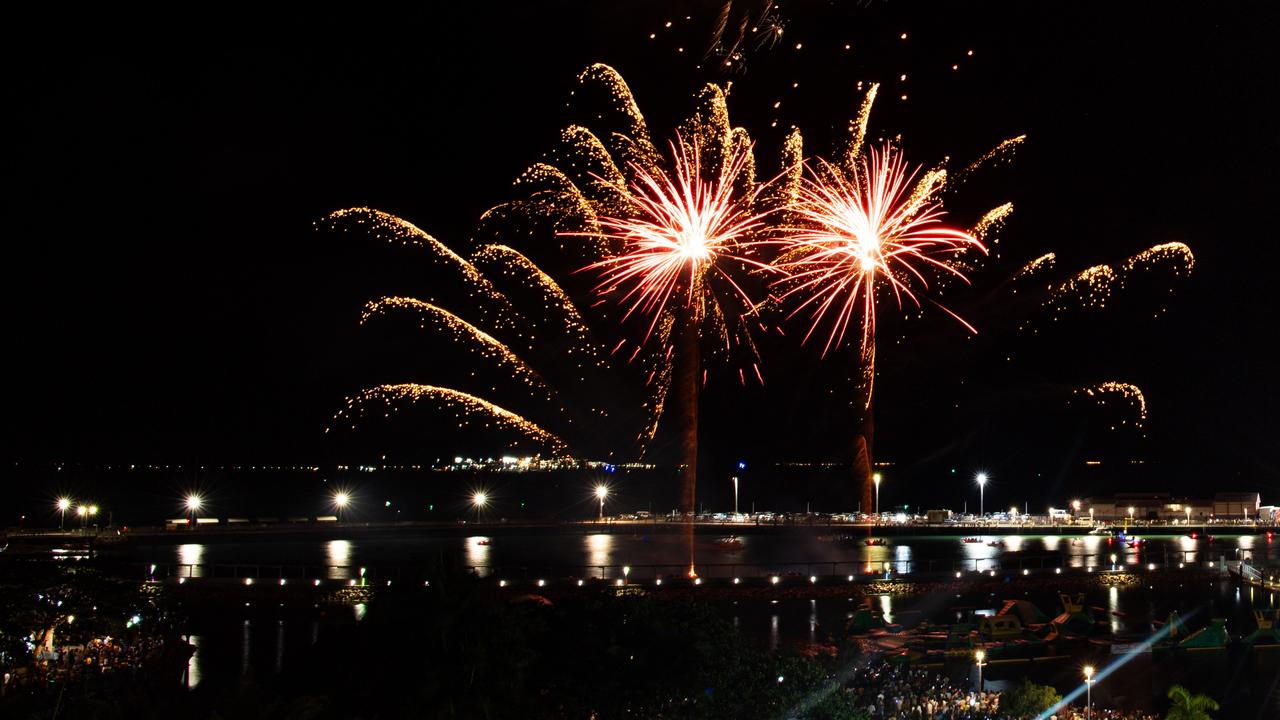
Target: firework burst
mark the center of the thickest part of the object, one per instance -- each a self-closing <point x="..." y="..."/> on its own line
<point x="686" y="229"/>
<point x="861" y="230"/>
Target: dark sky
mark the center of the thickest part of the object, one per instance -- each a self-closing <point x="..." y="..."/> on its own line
<point x="167" y="298"/>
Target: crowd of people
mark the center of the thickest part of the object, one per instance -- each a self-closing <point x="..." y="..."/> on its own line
<point x="893" y="692"/>
<point x="900" y="692"/>
<point x="74" y="664"/>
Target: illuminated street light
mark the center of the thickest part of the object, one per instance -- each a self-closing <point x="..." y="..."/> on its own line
<point x="479" y="500"/>
<point x="63" y="505"/>
<point x="341" y="499"/>
<point x="194" y="502"/>
<point x="979" y="658"/>
<point x="876" y="479"/>
<point x="1075" y="507"/>
<point x="601" y="493"/>
<point x="982" y="486"/>
<point x="1088" y="684"/>
<point x="735" y="493"/>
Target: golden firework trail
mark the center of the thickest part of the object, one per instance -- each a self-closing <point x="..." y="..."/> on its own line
<point x="470" y="411"/>
<point x="1090" y="288"/>
<point x="1129" y="393"/>
<point x="1002" y="153"/>
<point x="465" y="335"/>
<point x="494" y="308"/>
<point x="1172" y="254"/>
<point x="1044" y="262"/>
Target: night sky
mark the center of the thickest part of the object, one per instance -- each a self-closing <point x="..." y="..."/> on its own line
<point x="167" y="298"/>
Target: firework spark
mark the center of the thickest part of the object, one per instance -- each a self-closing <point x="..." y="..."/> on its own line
<point x="1175" y="254"/>
<point x="685" y="228"/>
<point x="1128" y="392"/>
<point x="465" y="335"/>
<point x="861" y="230"/>
<point x="470" y="411"/>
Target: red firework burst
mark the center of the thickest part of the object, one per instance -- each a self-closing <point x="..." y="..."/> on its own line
<point x="685" y="226"/>
<point x="859" y="228"/>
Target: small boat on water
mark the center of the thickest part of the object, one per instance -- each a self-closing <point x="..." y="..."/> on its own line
<point x="876" y="541"/>
<point x="482" y="542"/>
<point x="971" y="540"/>
<point x="729" y="542"/>
<point x="996" y="543"/>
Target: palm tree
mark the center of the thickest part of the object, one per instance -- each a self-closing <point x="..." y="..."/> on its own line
<point x="1186" y="706"/>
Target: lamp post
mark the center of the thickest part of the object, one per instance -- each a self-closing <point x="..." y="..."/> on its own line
<point x="1088" y="685"/>
<point x="876" y="479"/>
<point x="735" y="495"/>
<point x="83" y="512"/>
<point x="1075" y="509"/>
<point x="93" y="510"/>
<point x="63" y="505"/>
<point x="601" y="493"/>
<point x="979" y="658"/>
<point x="1091" y="516"/>
<point x="479" y="500"/>
<point x="982" y="486"/>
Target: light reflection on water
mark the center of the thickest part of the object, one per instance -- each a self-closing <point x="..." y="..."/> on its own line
<point x="191" y="554"/>
<point x="193" y="663"/>
<point x="599" y="551"/>
<point x="477" y="554"/>
<point x="337" y="555"/>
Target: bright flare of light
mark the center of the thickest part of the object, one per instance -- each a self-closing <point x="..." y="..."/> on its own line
<point x="341" y="500"/>
<point x="982" y="478"/>
<point x="1088" y="673"/>
<point x="64" y="504"/>
<point x="82" y="511"/>
<point x="480" y="499"/>
<point x="602" y="491"/>
<point x="93" y="509"/>
<point x="683" y="226"/>
<point x="194" y="502"/>
<point x="863" y="228"/>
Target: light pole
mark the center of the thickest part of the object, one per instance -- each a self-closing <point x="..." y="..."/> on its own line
<point x="601" y="493"/>
<point x="979" y="657"/>
<point x="193" y="505"/>
<point x="93" y="510"/>
<point x="735" y="495"/>
<point x="982" y="486"/>
<point x="479" y="500"/>
<point x="83" y="512"/>
<point x="876" y="479"/>
<point x="1088" y="685"/>
<point x="63" y="505"/>
<point x="1091" y="516"/>
<point x="1075" y="509"/>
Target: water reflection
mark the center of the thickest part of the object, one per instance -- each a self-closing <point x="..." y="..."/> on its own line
<point x="245" y="643"/>
<point x="1113" y="607"/>
<point x="902" y="558"/>
<point x="773" y="632"/>
<point x="813" y="619"/>
<point x="191" y="554"/>
<point x="979" y="556"/>
<point x="279" y="646"/>
<point x="599" y="551"/>
<point x="477" y="552"/>
<point x="193" y="663"/>
<point x="338" y="556"/>
<point x="1051" y="542"/>
<point x="886" y="607"/>
<point x="359" y="610"/>
<point x="1013" y="543"/>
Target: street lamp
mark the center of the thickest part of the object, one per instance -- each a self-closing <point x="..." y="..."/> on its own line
<point x="980" y="656"/>
<point x="735" y="495"/>
<point x="982" y="486"/>
<point x="341" y="500"/>
<point x="1090" y="516"/>
<point x="193" y="505"/>
<point x="602" y="492"/>
<point x="83" y="512"/>
<point x="93" y="510"/>
<point x="1088" y="684"/>
<point x="63" y="505"/>
<point x="1075" y="507"/>
<point x="479" y="500"/>
<point x="876" y="479"/>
